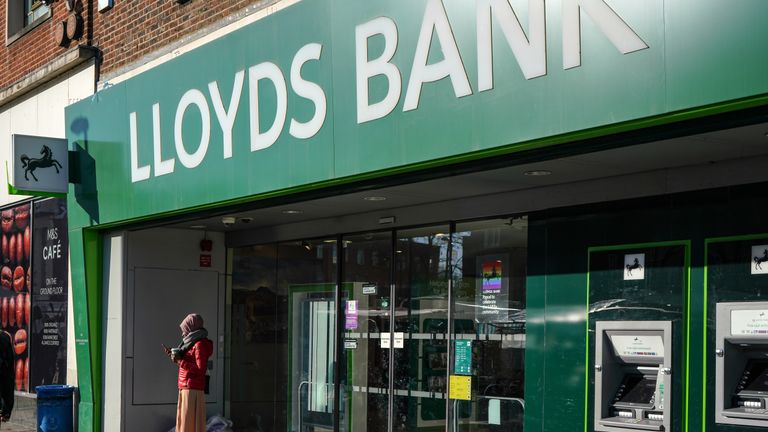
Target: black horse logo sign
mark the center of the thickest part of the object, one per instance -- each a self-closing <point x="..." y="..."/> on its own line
<point x="31" y="164"/>
<point x="760" y="259"/>
<point x="634" y="266"/>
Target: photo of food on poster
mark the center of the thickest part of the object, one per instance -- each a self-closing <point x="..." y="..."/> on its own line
<point x="48" y="338"/>
<point x="15" y="285"/>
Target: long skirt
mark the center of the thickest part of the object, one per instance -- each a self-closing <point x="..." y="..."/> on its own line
<point x="190" y="411"/>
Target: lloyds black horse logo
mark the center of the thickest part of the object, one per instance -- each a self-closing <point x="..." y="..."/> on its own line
<point x="760" y="260"/>
<point x="31" y="164"/>
<point x="634" y="266"/>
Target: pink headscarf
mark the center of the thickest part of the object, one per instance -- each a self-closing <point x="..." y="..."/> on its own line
<point x="191" y="323"/>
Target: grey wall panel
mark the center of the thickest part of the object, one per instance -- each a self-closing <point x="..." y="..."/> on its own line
<point x="163" y="299"/>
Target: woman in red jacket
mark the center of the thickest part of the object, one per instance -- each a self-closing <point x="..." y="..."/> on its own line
<point x="192" y="358"/>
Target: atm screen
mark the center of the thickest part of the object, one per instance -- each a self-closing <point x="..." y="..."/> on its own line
<point x="757" y="380"/>
<point x="638" y="389"/>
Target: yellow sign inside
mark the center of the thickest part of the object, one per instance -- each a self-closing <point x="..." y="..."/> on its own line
<point x="460" y="387"/>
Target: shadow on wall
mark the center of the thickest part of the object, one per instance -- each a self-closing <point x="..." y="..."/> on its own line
<point x="84" y="170"/>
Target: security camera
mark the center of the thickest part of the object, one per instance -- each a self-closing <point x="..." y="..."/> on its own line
<point x="228" y="221"/>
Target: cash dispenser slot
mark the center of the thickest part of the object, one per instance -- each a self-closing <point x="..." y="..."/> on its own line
<point x="632" y="376"/>
<point x="749" y="398"/>
<point x="741" y="364"/>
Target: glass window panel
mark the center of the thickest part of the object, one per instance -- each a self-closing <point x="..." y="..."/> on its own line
<point x="366" y="282"/>
<point x="488" y="317"/>
<point x="306" y="273"/>
<point x="34" y="9"/>
<point x="421" y="324"/>
<point x="258" y="322"/>
<point x="283" y="336"/>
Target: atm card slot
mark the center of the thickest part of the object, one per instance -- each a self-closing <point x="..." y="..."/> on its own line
<point x="747" y="413"/>
<point x="640" y="424"/>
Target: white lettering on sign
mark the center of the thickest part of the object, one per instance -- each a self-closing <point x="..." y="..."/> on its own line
<point x="162" y="167"/>
<point x="309" y="91"/>
<point x="435" y="33"/>
<point x="609" y="22"/>
<point x="227" y="117"/>
<point x="192" y="97"/>
<point x="381" y="66"/>
<point x="530" y="51"/>
<point x="52" y="251"/>
<point x="270" y="72"/>
<point x="260" y="138"/>
<point x="436" y="22"/>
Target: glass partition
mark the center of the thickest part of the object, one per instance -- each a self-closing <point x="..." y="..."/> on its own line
<point x="283" y="338"/>
<point x="420" y="309"/>
<point x="488" y="324"/>
<point x="367" y="281"/>
<point x="307" y="270"/>
<point x="419" y="344"/>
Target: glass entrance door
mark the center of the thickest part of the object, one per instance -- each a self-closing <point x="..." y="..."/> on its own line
<point x="366" y="332"/>
<point x="420" y="354"/>
<point x="367" y="276"/>
<point x="395" y="330"/>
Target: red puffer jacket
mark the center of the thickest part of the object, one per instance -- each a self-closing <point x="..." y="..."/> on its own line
<point x="193" y="365"/>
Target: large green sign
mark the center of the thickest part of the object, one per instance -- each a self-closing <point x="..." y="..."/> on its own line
<point x="330" y="89"/>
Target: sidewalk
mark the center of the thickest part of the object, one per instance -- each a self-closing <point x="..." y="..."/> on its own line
<point x="17" y="427"/>
<point x="23" y="417"/>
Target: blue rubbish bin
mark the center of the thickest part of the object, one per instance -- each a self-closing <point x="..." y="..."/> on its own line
<point x="54" y="408"/>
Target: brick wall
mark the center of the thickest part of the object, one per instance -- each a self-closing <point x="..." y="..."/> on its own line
<point x="130" y="31"/>
<point x="35" y="48"/>
<point x="134" y="29"/>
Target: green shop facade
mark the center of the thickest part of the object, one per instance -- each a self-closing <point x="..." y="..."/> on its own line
<point x="432" y="215"/>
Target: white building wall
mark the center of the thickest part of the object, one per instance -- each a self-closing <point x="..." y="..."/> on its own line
<point x="41" y="113"/>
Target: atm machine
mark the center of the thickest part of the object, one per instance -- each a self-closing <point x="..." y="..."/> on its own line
<point x="633" y="383"/>
<point x="741" y="364"/>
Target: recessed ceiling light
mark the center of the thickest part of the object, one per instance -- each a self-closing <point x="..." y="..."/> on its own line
<point x="292" y="212"/>
<point x="197" y="226"/>
<point x="537" y="173"/>
<point x="375" y="198"/>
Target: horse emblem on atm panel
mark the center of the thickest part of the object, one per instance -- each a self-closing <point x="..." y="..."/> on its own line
<point x="636" y="265"/>
<point x="31" y="164"/>
<point x="760" y="260"/>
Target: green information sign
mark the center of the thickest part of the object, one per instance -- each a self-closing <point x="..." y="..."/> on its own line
<point x="462" y="364"/>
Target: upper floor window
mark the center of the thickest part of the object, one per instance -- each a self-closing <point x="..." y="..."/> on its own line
<point x="33" y="10"/>
<point x="24" y="15"/>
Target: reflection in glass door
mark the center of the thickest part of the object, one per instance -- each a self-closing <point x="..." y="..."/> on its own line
<point x="488" y="316"/>
<point x="367" y="270"/>
<point x="380" y="333"/>
<point x="307" y="270"/>
<point x="395" y="375"/>
<point x="420" y="307"/>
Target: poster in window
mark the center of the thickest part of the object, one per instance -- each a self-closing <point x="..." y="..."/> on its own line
<point x="48" y="364"/>
<point x="15" y="286"/>
<point x="492" y="293"/>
